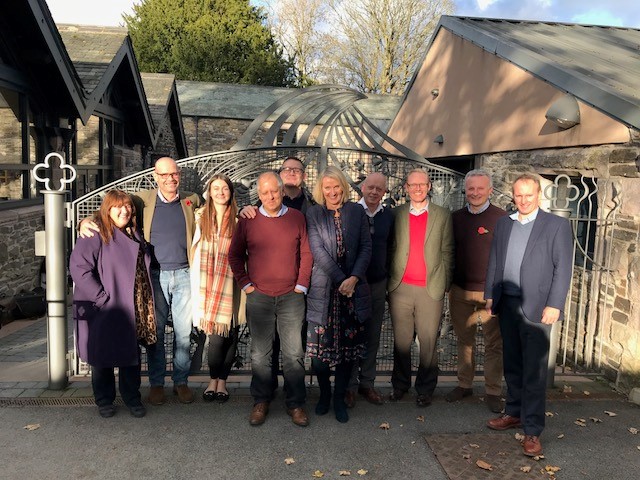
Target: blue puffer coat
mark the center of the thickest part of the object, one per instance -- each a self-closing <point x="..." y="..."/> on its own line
<point x="326" y="273"/>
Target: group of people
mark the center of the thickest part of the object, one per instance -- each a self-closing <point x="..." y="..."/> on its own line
<point x="310" y="274"/>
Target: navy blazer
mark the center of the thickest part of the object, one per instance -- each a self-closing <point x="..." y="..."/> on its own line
<point x="545" y="274"/>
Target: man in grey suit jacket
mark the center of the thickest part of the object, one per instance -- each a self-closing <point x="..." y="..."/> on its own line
<point x="421" y="272"/>
<point x="527" y="284"/>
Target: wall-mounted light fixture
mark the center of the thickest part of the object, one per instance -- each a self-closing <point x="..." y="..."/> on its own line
<point x="564" y="112"/>
<point x="439" y="139"/>
<point x="435" y="92"/>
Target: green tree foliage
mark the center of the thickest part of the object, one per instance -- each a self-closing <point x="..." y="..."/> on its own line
<point x="207" y="40"/>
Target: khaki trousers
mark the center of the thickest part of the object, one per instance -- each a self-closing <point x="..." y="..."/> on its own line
<point x="414" y="311"/>
<point x="467" y="310"/>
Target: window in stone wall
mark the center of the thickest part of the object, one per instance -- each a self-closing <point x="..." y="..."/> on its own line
<point x="14" y="168"/>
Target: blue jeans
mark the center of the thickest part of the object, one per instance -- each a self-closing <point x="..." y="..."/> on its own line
<point x="265" y="315"/>
<point x="172" y="293"/>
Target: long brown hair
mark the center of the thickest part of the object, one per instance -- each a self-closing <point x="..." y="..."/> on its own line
<point x="209" y="221"/>
<point x="113" y="198"/>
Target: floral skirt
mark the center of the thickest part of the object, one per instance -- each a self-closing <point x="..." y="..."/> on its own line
<point x="342" y="339"/>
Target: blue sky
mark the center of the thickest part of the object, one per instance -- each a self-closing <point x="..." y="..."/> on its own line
<point x="620" y="13"/>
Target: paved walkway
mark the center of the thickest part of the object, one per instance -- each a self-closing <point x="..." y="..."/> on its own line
<point x="66" y="438"/>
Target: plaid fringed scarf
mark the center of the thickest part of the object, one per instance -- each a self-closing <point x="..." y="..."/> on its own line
<point x="216" y="282"/>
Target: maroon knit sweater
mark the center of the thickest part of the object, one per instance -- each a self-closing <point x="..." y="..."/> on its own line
<point x="472" y="235"/>
<point x="272" y="253"/>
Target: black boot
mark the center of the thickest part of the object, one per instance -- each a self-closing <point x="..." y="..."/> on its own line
<point x="343" y="373"/>
<point x="323" y="373"/>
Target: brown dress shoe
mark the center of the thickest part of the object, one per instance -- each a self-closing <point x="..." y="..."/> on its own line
<point x="396" y="395"/>
<point x="458" y="394"/>
<point x="185" y="395"/>
<point x="298" y="416"/>
<point x="350" y="399"/>
<point x="504" y="422"/>
<point x="531" y="446"/>
<point x="371" y="395"/>
<point x="259" y="413"/>
<point x="156" y="395"/>
<point x="494" y="402"/>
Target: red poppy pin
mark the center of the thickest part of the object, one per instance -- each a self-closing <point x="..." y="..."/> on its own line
<point x="187" y="202"/>
<point x="482" y="230"/>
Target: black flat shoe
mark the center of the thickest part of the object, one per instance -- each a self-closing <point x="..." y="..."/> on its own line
<point x="222" y="397"/>
<point x="138" y="411"/>
<point x="107" y="411"/>
<point x="209" y="396"/>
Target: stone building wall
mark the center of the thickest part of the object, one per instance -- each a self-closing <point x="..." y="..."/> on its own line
<point x="166" y="145"/>
<point x="206" y="135"/>
<point x="610" y="297"/>
<point x="19" y="267"/>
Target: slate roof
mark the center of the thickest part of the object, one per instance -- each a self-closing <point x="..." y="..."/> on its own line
<point x="158" y="88"/>
<point x="598" y="65"/>
<point x="92" y="49"/>
<point x="246" y="102"/>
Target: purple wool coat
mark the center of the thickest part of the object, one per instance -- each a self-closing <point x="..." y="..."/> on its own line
<point x="103" y="303"/>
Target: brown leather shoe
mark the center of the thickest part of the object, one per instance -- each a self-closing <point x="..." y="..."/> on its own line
<point x="259" y="413"/>
<point x="531" y="446"/>
<point x="371" y="395"/>
<point x="298" y="416"/>
<point x="494" y="402"/>
<point x="350" y="399"/>
<point x="504" y="422"/>
<point x="458" y="394"/>
<point x="185" y="395"/>
<point x="156" y="395"/>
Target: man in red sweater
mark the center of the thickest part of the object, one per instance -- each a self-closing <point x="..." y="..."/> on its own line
<point x="271" y="261"/>
<point x="473" y="227"/>
<point x="421" y="267"/>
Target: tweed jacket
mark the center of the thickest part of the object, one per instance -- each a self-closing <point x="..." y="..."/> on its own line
<point x="103" y="303"/>
<point x="438" y="249"/>
<point x="545" y="273"/>
<point x="145" y="202"/>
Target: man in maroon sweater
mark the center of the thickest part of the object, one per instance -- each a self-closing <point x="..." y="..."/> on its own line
<point x="271" y="261"/>
<point x="473" y="227"/>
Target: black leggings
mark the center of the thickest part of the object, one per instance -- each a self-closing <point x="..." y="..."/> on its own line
<point x="221" y="353"/>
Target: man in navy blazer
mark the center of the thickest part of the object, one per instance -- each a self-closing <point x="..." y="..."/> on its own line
<point x="527" y="284"/>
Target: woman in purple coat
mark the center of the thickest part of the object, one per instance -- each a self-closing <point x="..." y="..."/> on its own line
<point x="113" y="303"/>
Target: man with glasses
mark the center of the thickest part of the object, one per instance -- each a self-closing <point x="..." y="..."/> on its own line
<point x="381" y="227"/>
<point x="167" y="219"/>
<point x="420" y="274"/>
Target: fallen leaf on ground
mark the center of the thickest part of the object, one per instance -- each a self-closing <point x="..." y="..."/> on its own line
<point x="561" y="435"/>
<point x="474" y="445"/>
<point x="413" y="442"/>
<point x="525" y="469"/>
<point x="549" y="414"/>
<point x="362" y="471"/>
<point x="551" y="469"/>
<point x="32" y="426"/>
<point x="420" y="418"/>
<point x="289" y="461"/>
<point x="537" y="458"/>
<point x="467" y="456"/>
<point x="502" y="454"/>
<point x="318" y="474"/>
<point x="586" y="392"/>
<point x="595" y="420"/>
<point x="484" y="465"/>
<point x="519" y="437"/>
<point x="344" y="473"/>
<point x="580" y="422"/>
<point x="638" y="447"/>
<point x="385" y="426"/>
<point x="631" y="429"/>
<point x="611" y="414"/>
<point x="567" y="389"/>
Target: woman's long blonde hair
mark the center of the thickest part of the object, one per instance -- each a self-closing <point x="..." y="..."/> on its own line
<point x="336" y="174"/>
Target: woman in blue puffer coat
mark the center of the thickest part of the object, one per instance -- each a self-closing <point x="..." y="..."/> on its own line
<point x="338" y="301"/>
